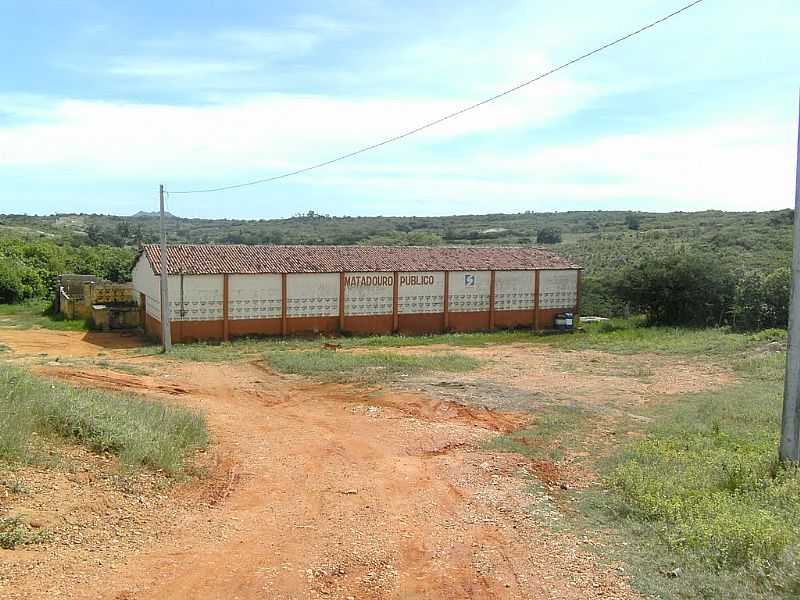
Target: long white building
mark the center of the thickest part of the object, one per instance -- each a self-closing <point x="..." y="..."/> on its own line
<point x="223" y="291"/>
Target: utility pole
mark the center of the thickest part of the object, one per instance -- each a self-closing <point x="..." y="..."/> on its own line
<point x="790" y="423"/>
<point x="166" y="334"/>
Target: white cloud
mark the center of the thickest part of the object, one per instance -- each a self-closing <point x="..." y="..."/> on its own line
<point x="150" y="68"/>
<point x="737" y="165"/>
<point x="117" y="139"/>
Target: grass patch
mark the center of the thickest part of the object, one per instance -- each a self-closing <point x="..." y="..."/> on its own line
<point x="15" y="532"/>
<point x="473" y="340"/>
<point x="658" y="571"/>
<point x="709" y="474"/>
<point x="244" y="348"/>
<point x="618" y="336"/>
<point x="140" y="432"/>
<point x="700" y="506"/>
<point x="554" y="431"/>
<point x="38" y="314"/>
<point x="631" y="336"/>
<point x="365" y="366"/>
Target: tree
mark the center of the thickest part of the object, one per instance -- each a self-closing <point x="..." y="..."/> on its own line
<point x="15" y="282"/>
<point x="632" y="221"/>
<point x="762" y="300"/>
<point x="548" y="235"/>
<point x="777" y="292"/>
<point x="94" y="234"/>
<point x="678" y="288"/>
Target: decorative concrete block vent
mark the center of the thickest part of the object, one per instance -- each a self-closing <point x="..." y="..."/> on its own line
<point x="220" y="291"/>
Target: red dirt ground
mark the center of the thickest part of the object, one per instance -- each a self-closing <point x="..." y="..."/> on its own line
<point x="314" y="491"/>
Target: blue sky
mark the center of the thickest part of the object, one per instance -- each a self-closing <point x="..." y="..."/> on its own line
<point x="102" y="101"/>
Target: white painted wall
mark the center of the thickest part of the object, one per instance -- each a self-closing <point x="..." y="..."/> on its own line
<point x="317" y="294"/>
<point x="196" y="298"/>
<point x="513" y="290"/>
<point x="312" y="294"/>
<point x="254" y="296"/>
<point x="558" y="289"/>
<point x="145" y="282"/>
<point x="468" y="291"/>
<point x="201" y="299"/>
<point x="368" y="293"/>
<point x="420" y="292"/>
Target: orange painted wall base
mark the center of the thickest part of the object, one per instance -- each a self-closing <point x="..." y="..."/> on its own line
<point x="414" y="324"/>
<point x="373" y="324"/>
<point x="468" y="321"/>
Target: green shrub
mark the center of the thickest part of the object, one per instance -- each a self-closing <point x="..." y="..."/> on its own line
<point x="762" y="300"/>
<point x="28" y="267"/>
<point x="633" y="221"/>
<point x="548" y="235"/>
<point x="678" y="288"/>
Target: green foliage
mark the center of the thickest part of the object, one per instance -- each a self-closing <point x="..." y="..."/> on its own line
<point x="633" y="222"/>
<point x="15" y="532"/>
<point x="601" y="241"/>
<point x="679" y="288"/>
<point x="17" y="281"/>
<point x="634" y="336"/>
<point x="140" y="432"/>
<point x="598" y="297"/>
<point x="28" y="267"/>
<point x="365" y="366"/>
<point x="708" y="476"/>
<point x="761" y="300"/>
<point x="548" y="235"/>
<point x="707" y="483"/>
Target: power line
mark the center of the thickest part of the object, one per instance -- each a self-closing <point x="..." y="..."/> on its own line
<point x="449" y="116"/>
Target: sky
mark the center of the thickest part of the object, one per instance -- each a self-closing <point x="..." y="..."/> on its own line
<point x="100" y="102"/>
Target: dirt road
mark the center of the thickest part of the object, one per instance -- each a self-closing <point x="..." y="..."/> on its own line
<point x="326" y="491"/>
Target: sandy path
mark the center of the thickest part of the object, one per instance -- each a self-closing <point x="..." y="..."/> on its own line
<point x="333" y="493"/>
<point x="66" y="343"/>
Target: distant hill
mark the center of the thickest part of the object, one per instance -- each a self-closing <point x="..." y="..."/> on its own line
<point x="601" y="241"/>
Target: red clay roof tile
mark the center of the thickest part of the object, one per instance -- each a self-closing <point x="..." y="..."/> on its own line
<point x="195" y="259"/>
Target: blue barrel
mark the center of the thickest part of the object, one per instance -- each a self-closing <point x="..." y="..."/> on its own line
<point x="565" y="321"/>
